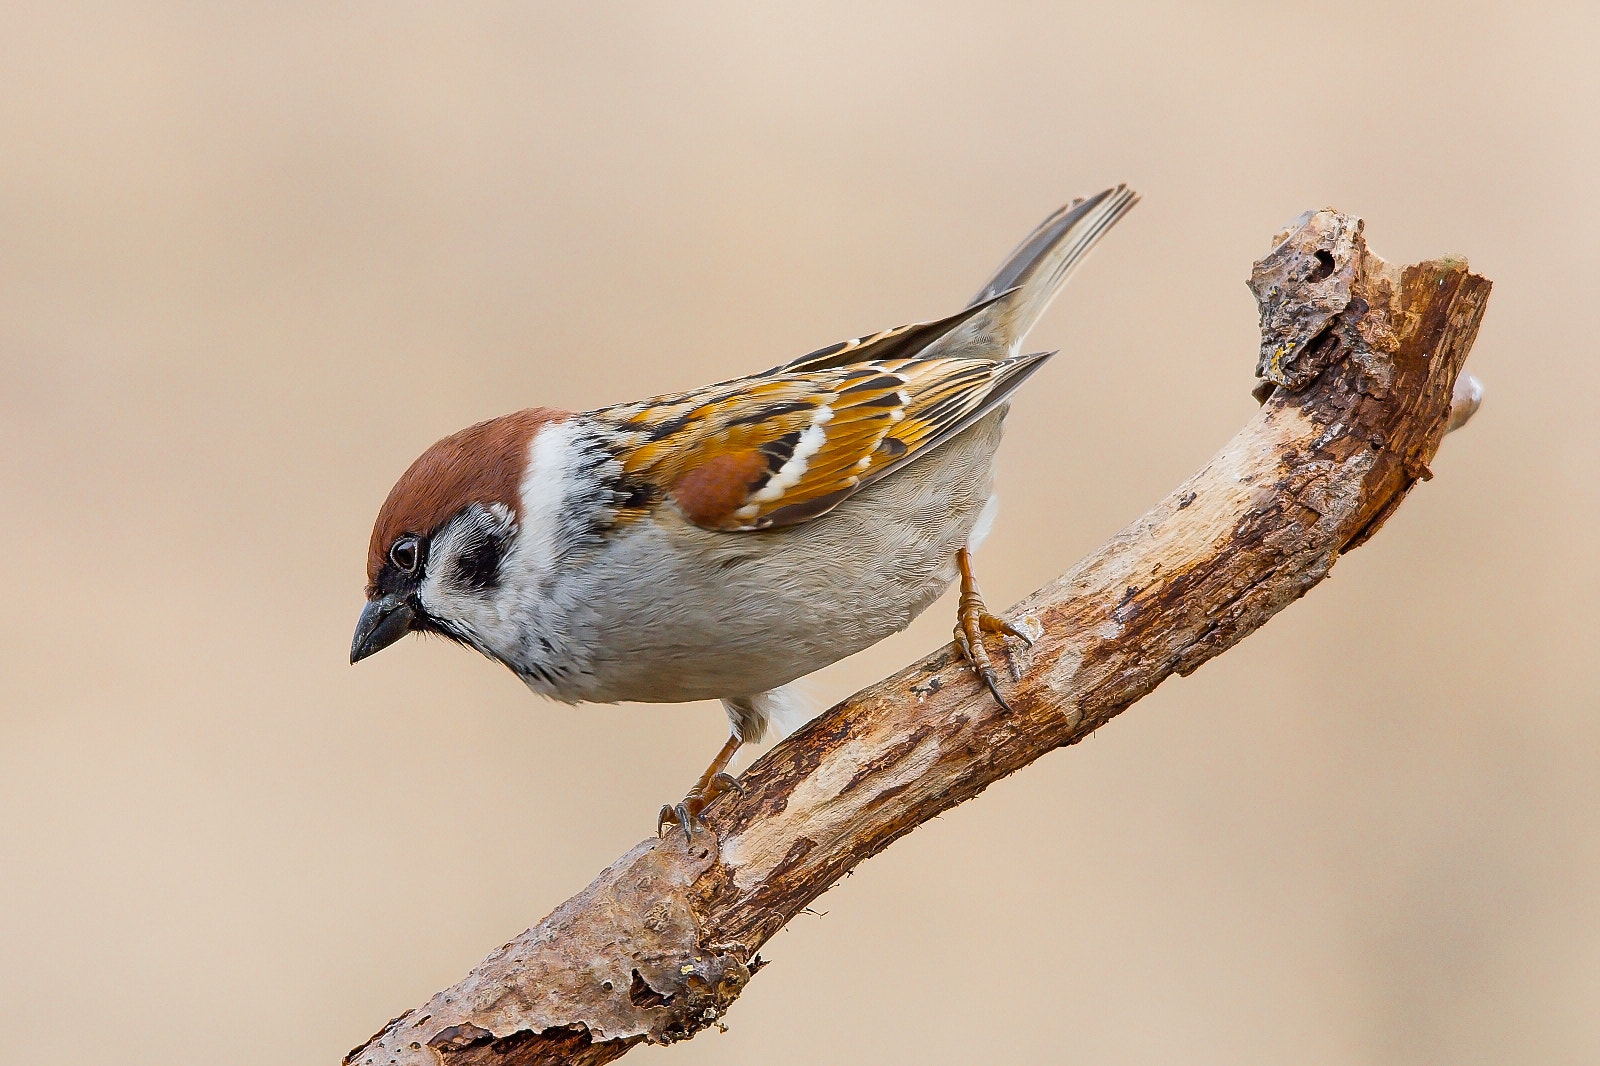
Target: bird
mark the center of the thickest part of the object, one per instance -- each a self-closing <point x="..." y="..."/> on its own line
<point x="721" y="543"/>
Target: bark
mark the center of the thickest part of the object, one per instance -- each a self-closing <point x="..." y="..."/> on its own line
<point x="1360" y="362"/>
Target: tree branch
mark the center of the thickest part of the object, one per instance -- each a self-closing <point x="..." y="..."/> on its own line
<point x="1359" y="361"/>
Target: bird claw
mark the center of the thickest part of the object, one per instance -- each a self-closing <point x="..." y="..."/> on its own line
<point x="686" y="814"/>
<point x="990" y="679"/>
<point x="995" y="624"/>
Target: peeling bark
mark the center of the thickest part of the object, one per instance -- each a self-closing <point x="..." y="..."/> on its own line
<point x="1361" y="367"/>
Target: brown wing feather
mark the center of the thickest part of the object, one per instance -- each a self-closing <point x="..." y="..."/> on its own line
<point x="777" y="450"/>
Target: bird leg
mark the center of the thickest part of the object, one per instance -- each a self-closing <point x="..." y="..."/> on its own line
<point x="973" y="620"/>
<point x="713" y="783"/>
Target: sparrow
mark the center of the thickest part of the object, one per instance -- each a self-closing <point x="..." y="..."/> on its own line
<point x="723" y="542"/>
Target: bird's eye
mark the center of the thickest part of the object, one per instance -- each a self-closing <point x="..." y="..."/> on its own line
<point x="403" y="554"/>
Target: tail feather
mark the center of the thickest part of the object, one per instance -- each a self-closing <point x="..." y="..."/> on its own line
<point x="1032" y="274"/>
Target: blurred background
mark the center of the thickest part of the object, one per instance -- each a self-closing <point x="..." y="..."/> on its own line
<point x="252" y="261"/>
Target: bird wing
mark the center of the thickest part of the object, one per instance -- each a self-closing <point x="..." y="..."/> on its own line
<point x="778" y="449"/>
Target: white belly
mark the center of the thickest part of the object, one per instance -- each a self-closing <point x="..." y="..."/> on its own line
<point x="670" y="612"/>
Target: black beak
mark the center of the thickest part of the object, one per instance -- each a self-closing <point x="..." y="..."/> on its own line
<point x="383" y="621"/>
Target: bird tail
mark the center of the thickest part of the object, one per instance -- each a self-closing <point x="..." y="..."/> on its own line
<point x="1032" y="274"/>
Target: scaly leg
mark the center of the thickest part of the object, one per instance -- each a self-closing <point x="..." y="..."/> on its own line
<point x="713" y="783"/>
<point x="973" y="620"/>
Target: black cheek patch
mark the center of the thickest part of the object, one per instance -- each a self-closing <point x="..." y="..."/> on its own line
<point x="478" y="565"/>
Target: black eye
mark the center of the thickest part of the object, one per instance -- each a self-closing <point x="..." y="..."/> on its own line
<point x="403" y="554"/>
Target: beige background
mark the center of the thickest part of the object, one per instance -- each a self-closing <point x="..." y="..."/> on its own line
<point x="250" y="264"/>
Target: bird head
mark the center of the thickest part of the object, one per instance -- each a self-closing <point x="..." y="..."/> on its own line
<point x="441" y="538"/>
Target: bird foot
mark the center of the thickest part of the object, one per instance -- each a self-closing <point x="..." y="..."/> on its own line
<point x="686" y="813"/>
<point x="973" y="620"/>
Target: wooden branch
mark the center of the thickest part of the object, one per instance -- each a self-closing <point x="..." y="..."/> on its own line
<point x="1360" y="362"/>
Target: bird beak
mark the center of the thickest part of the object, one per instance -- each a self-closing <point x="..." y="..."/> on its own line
<point x="383" y="621"/>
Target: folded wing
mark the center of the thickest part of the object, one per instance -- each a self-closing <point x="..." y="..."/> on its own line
<point x="775" y="451"/>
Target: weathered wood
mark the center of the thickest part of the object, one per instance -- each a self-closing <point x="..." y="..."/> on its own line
<point x="1361" y="361"/>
